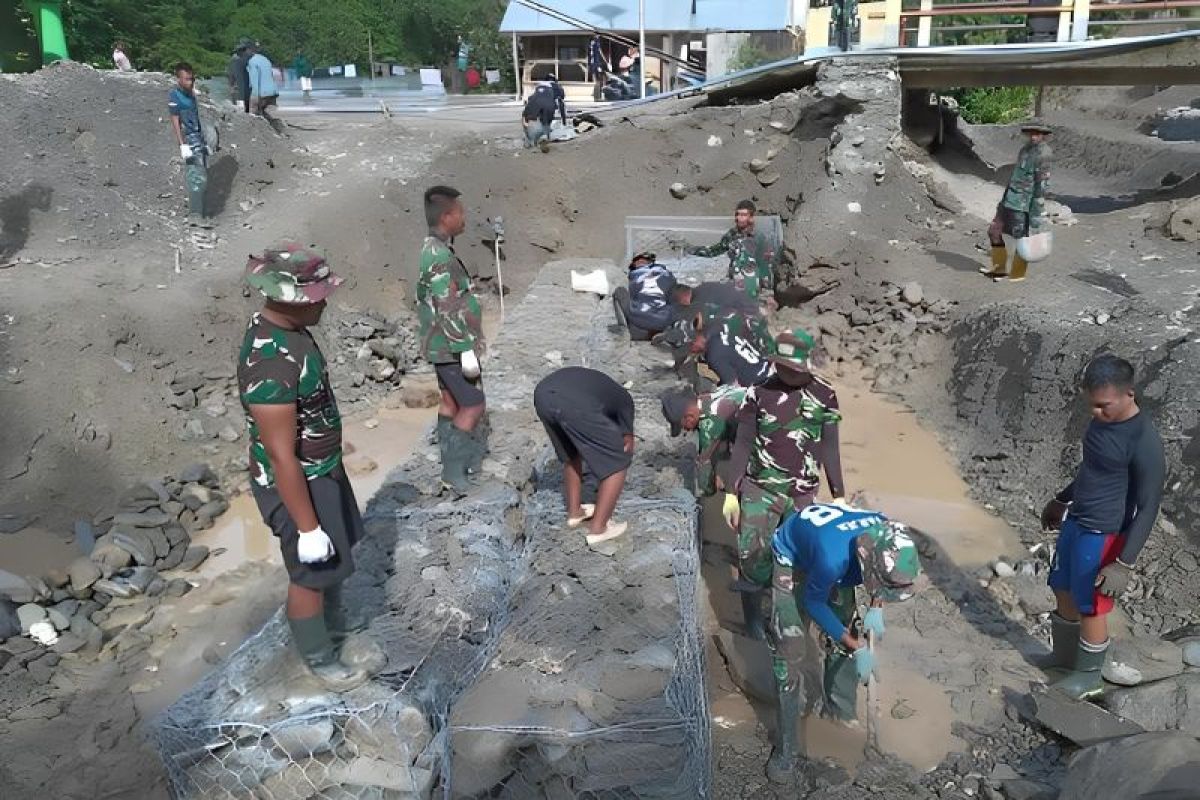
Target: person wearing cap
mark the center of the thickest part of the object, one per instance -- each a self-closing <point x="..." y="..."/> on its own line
<point x="451" y="333"/>
<point x="1021" y="210"/>
<point x="538" y="114"/>
<point x="787" y="430"/>
<point x="821" y="553"/>
<point x="184" y="110"/>
<point x="643" y="307"/>
<point x="751" y="253"/>
<point x="241" y="72"/>
<point x="712" y="415"/>
<point x="589" y="419"/>
<point x="295" y="431"/>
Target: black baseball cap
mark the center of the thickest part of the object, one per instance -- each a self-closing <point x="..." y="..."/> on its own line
<point x="675" y="404"/>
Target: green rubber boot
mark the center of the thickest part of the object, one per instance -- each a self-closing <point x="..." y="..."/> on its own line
<point x="338" y="619"/>
<point x="752" y="615"/>
<point x="1064" y="643"/>
<point x="439" y="431"/>
<point x="781" y="766"/>
<point x="456" y="446"/>
<point x="479" y="448"/>
<point x="321" y="655"/>
<point x="1084" y="681"/>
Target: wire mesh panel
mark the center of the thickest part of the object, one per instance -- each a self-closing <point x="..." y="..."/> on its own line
<point x="669" y="238"/>
<point x="520" y="662"/>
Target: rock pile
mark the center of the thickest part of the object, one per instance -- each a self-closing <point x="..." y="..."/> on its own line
<point x="125" y="554"/>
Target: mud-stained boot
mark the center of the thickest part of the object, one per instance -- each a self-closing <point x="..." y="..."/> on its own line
<point x="1085" y="681"/>
<point x="338" y="619"/>
<point x="999" y="265"/>
<point x="440" y="429"/>
<point x="479" y="449"/>
<point x="1018" y="269"/>
<point x="752" y="615"/>
<point x="456" y="449"/>
<point x="321" y="655"/>
<point x="1064" y="644"/>
<point x="784" y="760"/>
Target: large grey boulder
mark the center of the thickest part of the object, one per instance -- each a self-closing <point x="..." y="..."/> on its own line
<point x="1158" y="766"/>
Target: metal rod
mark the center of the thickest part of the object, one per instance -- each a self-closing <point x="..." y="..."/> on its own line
<point x="642" y="48"/>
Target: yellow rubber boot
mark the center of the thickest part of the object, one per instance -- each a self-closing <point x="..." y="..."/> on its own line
<point x="1018" y="268"/>
<point x="999" y="266"/>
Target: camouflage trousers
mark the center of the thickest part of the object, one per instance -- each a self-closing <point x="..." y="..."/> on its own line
<point x="195" y="176"/>
<point x="762" y="511"/>
<point x="792" y="655"/>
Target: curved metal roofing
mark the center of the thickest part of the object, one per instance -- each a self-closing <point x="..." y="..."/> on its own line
<point x="661" y="15"/>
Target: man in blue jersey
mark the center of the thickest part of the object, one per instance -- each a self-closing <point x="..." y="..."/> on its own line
<point x="822" y="553"/>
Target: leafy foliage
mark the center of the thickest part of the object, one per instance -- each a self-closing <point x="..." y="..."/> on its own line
<point x="995" y="104"/>
<point x="160" y="33"/>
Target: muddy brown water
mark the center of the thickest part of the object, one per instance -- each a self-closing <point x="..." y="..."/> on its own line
<point x="902" y="470"/>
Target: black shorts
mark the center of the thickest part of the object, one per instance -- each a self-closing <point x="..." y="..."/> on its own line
<point x="337" y="511"/>
<point x="465" y="392"/>
<point x="582" y="433"/>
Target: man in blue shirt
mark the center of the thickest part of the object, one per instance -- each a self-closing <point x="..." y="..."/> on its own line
<point x="644" y="306"/>
<point x="262" y="81"/>
<point x="189" y="135"/>
<point x="822" y="552"/>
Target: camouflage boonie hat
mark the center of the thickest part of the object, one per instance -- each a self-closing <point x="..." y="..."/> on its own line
<point x="292" y="273"/>
<point x="889" y="560"/>
<point x="792" y="349"/>
<point x="1036" y="126"/>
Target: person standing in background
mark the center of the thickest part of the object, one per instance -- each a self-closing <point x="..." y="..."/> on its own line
<point x="262" y="81"/>
<point x="189" y="135"/>
<point x="120" y="60"/>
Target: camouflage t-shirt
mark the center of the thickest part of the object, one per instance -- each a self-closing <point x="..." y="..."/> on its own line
<point x="277" y="366"/>
<point x="447" y="308"/>
<point x="716" y="430"/>
<point x="789" y="423"/>
<point x="1029" y="181"/>
<point x="751" y="259"/>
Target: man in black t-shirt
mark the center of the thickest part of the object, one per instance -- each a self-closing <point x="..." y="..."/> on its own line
<point x="1104" y="518"/>
<point x="589" y="419"/>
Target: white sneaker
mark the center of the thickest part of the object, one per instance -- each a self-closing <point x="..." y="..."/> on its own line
<point x="611" y="531"/>
<point x="589" y="511"/>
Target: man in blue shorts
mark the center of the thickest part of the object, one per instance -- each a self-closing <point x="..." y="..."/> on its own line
<point x="1104" y="518"/>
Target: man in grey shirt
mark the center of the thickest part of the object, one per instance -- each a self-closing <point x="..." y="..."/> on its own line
<point x="1104" y="518"/>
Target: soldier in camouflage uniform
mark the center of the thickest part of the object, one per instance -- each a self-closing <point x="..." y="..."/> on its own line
<point x="751" y="253"/>
<point x="452" y="339"/>
<point x="711" y="414"/>
<point x="296" y="468"/>
<point x="786" y="432"/>
<point x="821" y="554"/>
<point x="1021" y="210"/>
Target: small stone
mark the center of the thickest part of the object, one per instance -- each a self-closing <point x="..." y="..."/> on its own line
<point x="188" y="381"/>
<point x="211" y="510"/>
<point x="360" y="650"/>
<point x="420" y="391"/>
<point x="359" y="465"/>
<point x="1122" y="674"/>
<point x="913" y="294"/>
<point x="195" y="555"/>
<point x="229" y="434"/>
<point x="1003" y="569"/>
<point x="60" y="621"/>
<point x="854" y="208"/>
<point x="194" y="495"/>
<point x="768" y="178"/>
<point x="198" y="473"/>
<point x="69" y="643"/>
<point x="29" y="615"/>
<point x="110" y="556"/>
<point x="15" y="588"/>
<point x="371" y="424"/>
<point x="83" y="573"/>
<point x="178" y="587"/>
<point x="144" y="519"/>
<point x="1191" y="654"/>
<point x="1103" y="317"/>
<point x="679" y="190"/>
<point x="758" y="165"/>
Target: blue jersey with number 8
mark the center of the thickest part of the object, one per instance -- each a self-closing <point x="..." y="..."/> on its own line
<point x="818" y="541"/>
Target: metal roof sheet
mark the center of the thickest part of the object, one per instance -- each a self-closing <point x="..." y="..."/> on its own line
<point x="661" y="15"/>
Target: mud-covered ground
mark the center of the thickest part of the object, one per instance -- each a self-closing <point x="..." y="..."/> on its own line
<point x="108" y="301"/>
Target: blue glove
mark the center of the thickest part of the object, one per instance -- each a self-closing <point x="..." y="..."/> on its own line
<point x="864" y="663"/>
<point x="873" y="622"/>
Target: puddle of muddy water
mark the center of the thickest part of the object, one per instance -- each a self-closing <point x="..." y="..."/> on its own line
<point x="241" y="532"/>
<point x="903" y="471"/>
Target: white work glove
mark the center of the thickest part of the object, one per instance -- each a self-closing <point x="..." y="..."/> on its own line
<point x="314" y="546"/>
<point x="185" y="151"/>
<point x="470" y="365"/>
<point x="731" y="510"/>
